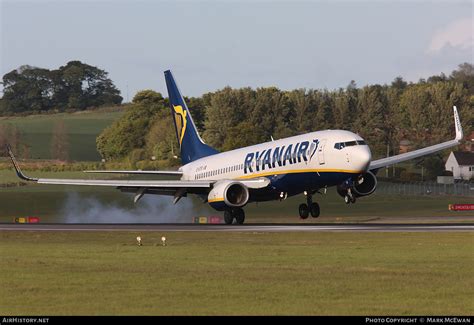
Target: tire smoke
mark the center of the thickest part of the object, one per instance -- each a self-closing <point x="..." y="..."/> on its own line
<point x="150" y="209"/>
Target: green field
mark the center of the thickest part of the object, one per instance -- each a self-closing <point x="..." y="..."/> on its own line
<point x="82" y="128"/>
<point x="97" y="273"/>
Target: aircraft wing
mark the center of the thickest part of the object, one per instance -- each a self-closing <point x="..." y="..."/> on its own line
<point x="137" y="172"/>
<point x="165" y="184"/>
<point x="377" y="164"/>
<point x="176" y="188"/>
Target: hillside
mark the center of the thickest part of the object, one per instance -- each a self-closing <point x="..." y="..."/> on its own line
<point x="82" y="129"/>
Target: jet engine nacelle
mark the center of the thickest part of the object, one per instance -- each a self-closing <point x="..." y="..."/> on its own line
<point x="235" y="194"/>
<point x="364" y="185"/>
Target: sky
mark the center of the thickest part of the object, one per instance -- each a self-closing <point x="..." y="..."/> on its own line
<point x="212" y="44"/>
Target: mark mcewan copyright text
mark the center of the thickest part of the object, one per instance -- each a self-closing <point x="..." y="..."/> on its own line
<point x="418" y="320"/>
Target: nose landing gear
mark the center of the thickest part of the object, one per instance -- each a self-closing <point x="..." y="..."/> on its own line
<point x="310" y="207"/>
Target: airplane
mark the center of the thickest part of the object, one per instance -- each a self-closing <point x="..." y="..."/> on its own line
<point x="273" y="170"/>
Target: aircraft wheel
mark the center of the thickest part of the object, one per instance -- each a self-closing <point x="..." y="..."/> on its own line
<point x="314" y="210"/>
<point x="228" y="217"/>
<point x="304" y="211"/>
<point x="347" y="199"/>
<point x="239" y="216"/>
<point x="353" y="199"/>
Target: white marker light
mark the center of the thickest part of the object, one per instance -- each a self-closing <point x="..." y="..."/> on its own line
<point x="139" y="241"/>
<point x="163" y="240"/>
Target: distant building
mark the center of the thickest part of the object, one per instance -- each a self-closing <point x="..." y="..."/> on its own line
<point x="469" y="146"/>
<point x="461" y="164"/>
<point x="405" y="146"/>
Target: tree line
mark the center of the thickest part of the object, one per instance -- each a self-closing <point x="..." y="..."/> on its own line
<point x="231" y="118"/>
<point x="75" y="86"/>
<point x="420" y="112"/>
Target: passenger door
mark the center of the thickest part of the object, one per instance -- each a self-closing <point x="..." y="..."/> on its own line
<point x="322" y="144"/>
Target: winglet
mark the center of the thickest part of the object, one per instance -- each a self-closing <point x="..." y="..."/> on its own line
<point x="457" y="125"/>
<point x="17" y="167"/>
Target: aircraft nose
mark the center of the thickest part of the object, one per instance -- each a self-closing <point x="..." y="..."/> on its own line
<point x="364" y="156"/>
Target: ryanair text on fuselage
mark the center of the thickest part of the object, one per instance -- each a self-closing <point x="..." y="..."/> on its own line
<point x="270" y="158"/>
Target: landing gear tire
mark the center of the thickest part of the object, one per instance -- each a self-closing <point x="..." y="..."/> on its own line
<point x="347" y="199"/>
<point x="239" y="216"/>
<point x="314" y="210"/>
<point x="228" y="217"/>
<point x="304" y="211"/>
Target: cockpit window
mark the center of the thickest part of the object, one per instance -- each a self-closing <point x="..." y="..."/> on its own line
<point x="339" y="145"/>
<point x="342" y="145"/>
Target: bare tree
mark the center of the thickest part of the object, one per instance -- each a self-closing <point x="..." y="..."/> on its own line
<point x="60" y="142"/>
<point x="3" y="139"/>
<point x="12" y="135"/>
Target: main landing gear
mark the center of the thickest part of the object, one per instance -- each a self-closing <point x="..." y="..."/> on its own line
<point x="305" y="209"/>
<point x="238" y="214"/>
<point x="349" y="197"/>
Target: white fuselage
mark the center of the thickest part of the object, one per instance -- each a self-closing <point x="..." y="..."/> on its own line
<point x="316" y="152"/>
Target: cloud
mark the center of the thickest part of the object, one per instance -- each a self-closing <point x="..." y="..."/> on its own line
<point x="458" y="34"/>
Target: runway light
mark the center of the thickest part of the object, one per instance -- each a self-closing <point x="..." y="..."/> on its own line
<point x="139" y="241"/>
<point x="163" y="240"/>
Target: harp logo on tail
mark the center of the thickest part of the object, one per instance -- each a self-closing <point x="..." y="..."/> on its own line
<point x="180" y="118"/>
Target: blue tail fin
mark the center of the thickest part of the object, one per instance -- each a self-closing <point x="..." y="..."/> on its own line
<point x="191" y="145"/>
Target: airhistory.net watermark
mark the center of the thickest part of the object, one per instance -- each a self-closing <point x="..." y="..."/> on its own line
<point x="24" y="320"/>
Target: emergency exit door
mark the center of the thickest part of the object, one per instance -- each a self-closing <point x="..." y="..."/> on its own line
<point x="321" y="147"/>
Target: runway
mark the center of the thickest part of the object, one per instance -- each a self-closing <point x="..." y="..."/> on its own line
<point x="242" y="228"/>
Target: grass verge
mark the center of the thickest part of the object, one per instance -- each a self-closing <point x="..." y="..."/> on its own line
<point x="105" y="273"/>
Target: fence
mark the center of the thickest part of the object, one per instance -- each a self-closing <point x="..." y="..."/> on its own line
<point x="426" y="188"/>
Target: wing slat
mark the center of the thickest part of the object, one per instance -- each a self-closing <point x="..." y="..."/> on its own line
<point x="126" y="183"/>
